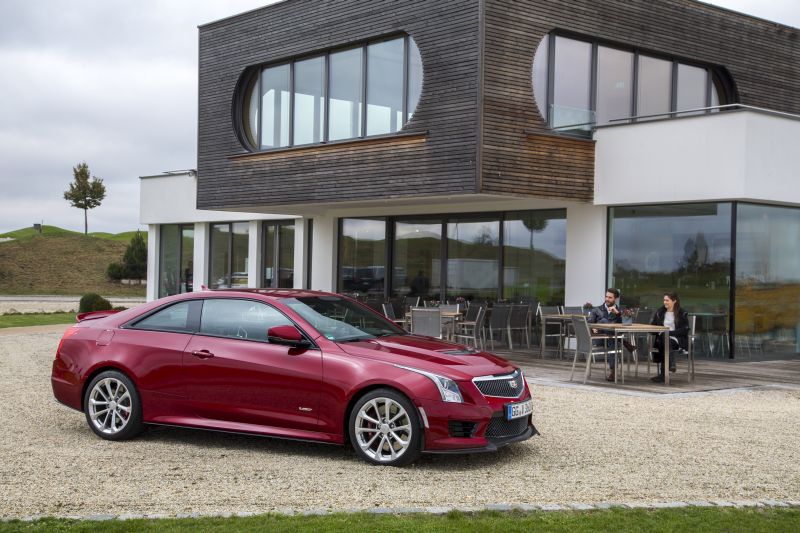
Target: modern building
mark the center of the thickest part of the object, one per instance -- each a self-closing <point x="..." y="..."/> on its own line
<point x="497" y="149"/>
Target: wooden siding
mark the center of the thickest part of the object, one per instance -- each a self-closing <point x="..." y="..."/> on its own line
<point x="441" y="163"/>
<point x="763" y="59"/>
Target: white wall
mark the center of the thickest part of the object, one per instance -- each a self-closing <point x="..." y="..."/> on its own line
<point x="153" y="245"/>
<point x="724" y="156"/>
<point x="586" y="254"/>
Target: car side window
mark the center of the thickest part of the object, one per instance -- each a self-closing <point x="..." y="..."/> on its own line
<point x="239" y="319"/>
<point x="178" y="317"/>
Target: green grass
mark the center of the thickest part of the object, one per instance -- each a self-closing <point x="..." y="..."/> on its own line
<point x="35" y="319"/>
<point x="693" y="519"/>
<point x="49" y="231"/>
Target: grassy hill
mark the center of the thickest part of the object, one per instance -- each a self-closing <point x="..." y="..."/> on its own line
<point x="62" y="262"/>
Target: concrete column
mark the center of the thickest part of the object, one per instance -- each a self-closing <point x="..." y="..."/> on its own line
<point x="300" y="249"/>
<point x="200" y="260"/>
<point x="324" y="248"/>
<point x="254" y="253"/>
<point x="153" y="247"/>
<point x="586" y="254"/>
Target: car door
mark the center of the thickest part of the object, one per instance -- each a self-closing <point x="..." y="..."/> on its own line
<point x="233" y="373"/>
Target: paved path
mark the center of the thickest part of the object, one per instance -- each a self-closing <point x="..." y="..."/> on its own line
<point x="53" y="303"/>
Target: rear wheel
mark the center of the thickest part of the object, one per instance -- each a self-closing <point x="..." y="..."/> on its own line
<point x="112" y="406"/>
<point x="384" y="428"/>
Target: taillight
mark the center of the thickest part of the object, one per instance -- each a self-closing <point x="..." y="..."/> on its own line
<point x="69" y="333"/>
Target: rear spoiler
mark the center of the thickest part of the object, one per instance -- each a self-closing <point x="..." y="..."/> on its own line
<point x="93" y="315"/>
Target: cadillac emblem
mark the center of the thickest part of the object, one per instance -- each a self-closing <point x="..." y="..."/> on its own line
<point x="513" y="383"/>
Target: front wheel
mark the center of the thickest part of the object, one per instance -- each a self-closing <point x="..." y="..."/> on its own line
<point x="112" y="406"/>
<point x="384" y="428"/>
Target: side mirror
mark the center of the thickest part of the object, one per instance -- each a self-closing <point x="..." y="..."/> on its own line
<point x="287" y="336"/>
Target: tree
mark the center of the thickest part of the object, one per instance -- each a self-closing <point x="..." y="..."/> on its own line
<point x="135" y="258"/>
<point x="85" y="194"/>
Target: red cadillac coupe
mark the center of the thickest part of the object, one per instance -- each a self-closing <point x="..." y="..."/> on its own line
<point x="292" y="364"/>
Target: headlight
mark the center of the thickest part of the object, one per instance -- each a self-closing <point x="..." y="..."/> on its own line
<point x="447" y="387"/>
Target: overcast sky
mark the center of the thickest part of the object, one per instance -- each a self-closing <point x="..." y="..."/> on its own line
<point x="114" y="83"/>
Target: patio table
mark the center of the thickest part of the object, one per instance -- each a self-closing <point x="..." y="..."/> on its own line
<point x="553" y="319"/>
<point x="637" y="328"/>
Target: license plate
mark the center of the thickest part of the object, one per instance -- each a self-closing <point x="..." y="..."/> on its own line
<point x="518" y="410"/>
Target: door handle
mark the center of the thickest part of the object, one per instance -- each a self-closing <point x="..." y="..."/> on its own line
<point x="203" y="354"/>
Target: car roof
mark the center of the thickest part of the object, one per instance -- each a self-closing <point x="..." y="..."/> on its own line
<point x="270" y="293"/>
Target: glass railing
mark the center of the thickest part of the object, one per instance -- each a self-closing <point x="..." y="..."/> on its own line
<point x="572" y="120"/>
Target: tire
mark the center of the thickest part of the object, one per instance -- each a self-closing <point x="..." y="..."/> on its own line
<point x="395" y="440"/>
<point x="121" y="420"/>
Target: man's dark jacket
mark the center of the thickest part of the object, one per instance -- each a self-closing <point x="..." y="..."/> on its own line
<point x="600" y="315"/>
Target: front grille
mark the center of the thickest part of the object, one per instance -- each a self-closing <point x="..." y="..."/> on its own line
<point x="461" y="429"/>
<point x="501" y="386"/>
<point x="500" y="428"/>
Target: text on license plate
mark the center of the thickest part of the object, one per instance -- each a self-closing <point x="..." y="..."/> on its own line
<point x="517" y="410"/>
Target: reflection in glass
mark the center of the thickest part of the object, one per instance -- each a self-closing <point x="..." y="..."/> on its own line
<point x="572" y="83"/>
<point x="534" y="256"/>
<point x="269" y="255"/>
<point x="345" y="94"/>
<point x="362" y="255"/>
<point x="414" y="77"/>
<point x="187" y="259"/>
<point x="540" y="75"/>
<point x="275" y="107"/>
<point x="767" y="280"/>
<point x="614" y="84"/>
<point x="692" y="88"/>
<point x="685" y="248"/>
<point x="240" y="247"/>
<point x="251" y="108"/>
<point x="286" y="256"/>
<point x="309" y="100"/>
<point x="654" y="86"/>
<point x="219" y="275"/>
<point x="417" y="258"/>
<point x="385" y="87"/>
<point x="168" y="260"/>
<point x="473" y="259"/>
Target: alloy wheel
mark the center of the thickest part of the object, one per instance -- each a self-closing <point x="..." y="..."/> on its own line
<point x="110" y="406"/>
<point x="383" y="429"/>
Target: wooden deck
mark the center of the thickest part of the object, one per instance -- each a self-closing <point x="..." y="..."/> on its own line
<point x="710" y="374"/>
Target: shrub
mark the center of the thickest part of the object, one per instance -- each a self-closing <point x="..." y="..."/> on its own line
<point x="115" y="271"/>
<point x="93" y="302"/>
<point x="135" y="258"/>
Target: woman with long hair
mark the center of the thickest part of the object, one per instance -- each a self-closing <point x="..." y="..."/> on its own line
<point x="672" y="315"/>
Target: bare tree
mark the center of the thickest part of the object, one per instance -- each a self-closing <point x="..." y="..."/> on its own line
<point x="84" y="193"/>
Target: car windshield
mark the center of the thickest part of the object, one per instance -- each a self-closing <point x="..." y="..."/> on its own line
<point x="342" y="320"/>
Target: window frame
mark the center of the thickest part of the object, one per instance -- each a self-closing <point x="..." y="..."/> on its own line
<point x="275" y="252"/>
<point x="193" y="320"/>
<point x="254" y="73"/>
<point x="161" y="244"/>
<point x="715" y="79"/>
<point x="210" y="252"/>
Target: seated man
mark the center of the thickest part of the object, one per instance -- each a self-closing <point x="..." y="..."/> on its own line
<point x="606" y="314"/>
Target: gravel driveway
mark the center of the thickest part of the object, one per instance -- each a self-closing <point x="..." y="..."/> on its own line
<point x="595" y="447"/>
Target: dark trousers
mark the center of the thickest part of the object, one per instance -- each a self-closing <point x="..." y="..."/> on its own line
<point x="658" y="357"/>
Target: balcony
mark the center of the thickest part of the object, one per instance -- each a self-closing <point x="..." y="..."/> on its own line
<point x="741" y="153"/>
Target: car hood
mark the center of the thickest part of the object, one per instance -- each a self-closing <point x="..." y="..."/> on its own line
<point x="455" y="361"/>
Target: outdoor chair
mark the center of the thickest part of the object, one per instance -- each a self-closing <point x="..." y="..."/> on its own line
<point x="584" y="344"/>
<point x="519" y="320"/>
<point x="473" y="332"/>
<point x="498" y="321"/>
<point x="375" y="304"/>
<point x="388" y="311"/>
<point x="568" y="332"/>
<point x="427" y="322"/>
<point x="692" y="336"/>
<point x="559" y="331"/>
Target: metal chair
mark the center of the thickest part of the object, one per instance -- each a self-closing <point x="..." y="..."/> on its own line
<point x="552" y="310"/>
<point x="427" y="322"/>
<point x="388" y="311"/>
<point x="474" y="331"/>
<point x="519" y="320"/>
<point x="584" y="344"/>
<point x="498" y="321"/>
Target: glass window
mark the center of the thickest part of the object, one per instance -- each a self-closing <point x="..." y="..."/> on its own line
<point x="169" y="257"/>
<point x="286" y="256"/>
<point x="340" y="319"/>
<point x="344" y="121"/>
<point x="275" y="101"/>
<point x="229" y="249"/>
<point x="540" y="76"/>
<point x="240" y="248"/>
<point x="177" y="318"/>
<point x="240" y="319"/>
<point x="417" y="258"/>
<point x="362" y="255"/>
<point x="535" y="252"/>
<point x="473" y="259"/>
<point x="414" y="77"/>
<point x="270" y="263"/>
<point x="685" y="248"/>
<point x="187" y="259"/>
<point x="309" y="101"/>
<point x="251" y="108"/>
<point x="654" y="86"/>
<point x="692" y="88"/>
<point x="614" y="84"/>
<point x="385" y="87"/>
<point x="767" y="280"/>
<point x="572" y="83"/>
